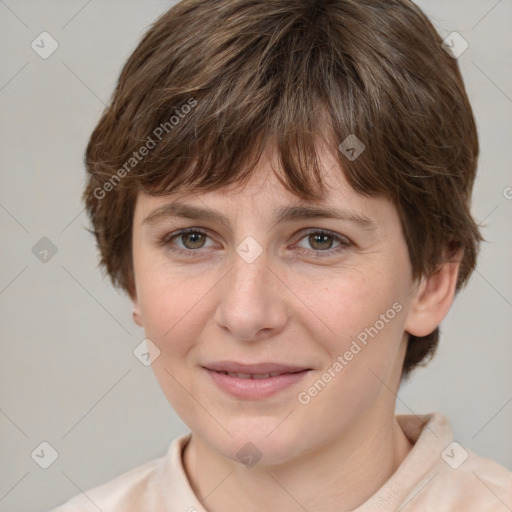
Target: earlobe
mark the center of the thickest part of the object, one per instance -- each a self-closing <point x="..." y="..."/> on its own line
<point x="433" y="298"/>
<point x="137" y="318"/>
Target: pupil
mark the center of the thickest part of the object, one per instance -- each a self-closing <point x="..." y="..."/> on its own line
<point x="320" y="238"/>
<point x="194" y="239"/>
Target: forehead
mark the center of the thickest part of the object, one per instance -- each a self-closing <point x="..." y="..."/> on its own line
<point x="264" y="191"/>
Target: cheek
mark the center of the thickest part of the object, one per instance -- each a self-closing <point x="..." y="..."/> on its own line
<point x="168" y="303"/>
<point x="364" y="312"/>
<point x="346" y="305"/>
<point x="365" y="315"/>
<point x="172" y="320"/>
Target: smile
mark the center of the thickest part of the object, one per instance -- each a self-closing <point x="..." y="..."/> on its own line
<point x="256" y="381"/>
<point x="252" y="375"/>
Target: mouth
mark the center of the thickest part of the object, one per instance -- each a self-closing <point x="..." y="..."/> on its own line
<point x="254" y="381"/>
<point x="253" y="375"/>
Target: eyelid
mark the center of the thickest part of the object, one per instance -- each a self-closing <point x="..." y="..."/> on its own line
<point x="344" y="242"/>
<point x="166" y="239"/>
<point x="336" y="236"/>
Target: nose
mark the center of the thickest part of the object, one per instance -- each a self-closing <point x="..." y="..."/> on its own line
<point x="252" y="303"/>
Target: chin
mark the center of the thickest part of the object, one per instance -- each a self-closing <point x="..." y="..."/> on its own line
<point x="262" y="441"/>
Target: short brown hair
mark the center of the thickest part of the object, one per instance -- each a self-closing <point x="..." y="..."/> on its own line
<point x="213" y="82"/>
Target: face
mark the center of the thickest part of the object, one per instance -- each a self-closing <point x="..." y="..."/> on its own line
<point x="275" y="326"/>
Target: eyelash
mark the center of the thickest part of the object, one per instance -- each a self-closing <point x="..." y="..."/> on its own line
<point x="166" y="241"/>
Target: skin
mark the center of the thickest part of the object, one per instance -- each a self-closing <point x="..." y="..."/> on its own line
<point x="287" y="306"/>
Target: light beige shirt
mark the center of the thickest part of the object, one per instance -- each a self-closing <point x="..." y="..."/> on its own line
<point x="438" y="475"/>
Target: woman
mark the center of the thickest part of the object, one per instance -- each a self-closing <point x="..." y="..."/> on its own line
<point x="282" y="187"/>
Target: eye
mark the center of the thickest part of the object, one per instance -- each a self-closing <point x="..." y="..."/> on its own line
<point x="322" y="241"/>
<point x="191" y="239"/>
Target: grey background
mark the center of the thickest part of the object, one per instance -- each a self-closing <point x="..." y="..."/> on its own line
<point x="67" y="370"/>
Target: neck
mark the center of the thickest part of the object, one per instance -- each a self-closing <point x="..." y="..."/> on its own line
<point x="339" y="476"/>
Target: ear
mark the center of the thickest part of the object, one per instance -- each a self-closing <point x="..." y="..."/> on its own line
<point x="137" y="317"/>
<point x="433" y="298"/>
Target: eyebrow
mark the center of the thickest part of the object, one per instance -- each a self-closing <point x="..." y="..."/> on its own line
<point x="282" y="214"/>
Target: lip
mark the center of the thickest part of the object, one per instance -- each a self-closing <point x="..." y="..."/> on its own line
<point x="234" y="367"/>
<point x="250" y="388"/>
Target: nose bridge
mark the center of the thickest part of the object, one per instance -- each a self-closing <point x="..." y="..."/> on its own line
<point x="249" y="302"/>
<point x="248" y="275"/>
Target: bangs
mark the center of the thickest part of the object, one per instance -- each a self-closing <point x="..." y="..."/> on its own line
<point x="222" y="158"/>
<point x="209" y="119"/>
